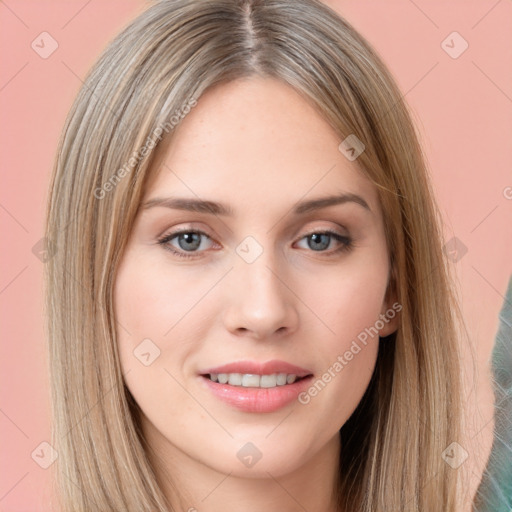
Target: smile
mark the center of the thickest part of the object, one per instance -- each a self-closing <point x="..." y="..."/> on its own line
<point x="248" y="380"/>
<point x="251" y="386"/>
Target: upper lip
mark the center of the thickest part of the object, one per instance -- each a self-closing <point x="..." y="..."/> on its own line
<point x="256" y="368"/>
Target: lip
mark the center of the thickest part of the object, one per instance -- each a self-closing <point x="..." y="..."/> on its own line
<point x="257" y="400"/>
<point x="253" y="367"/>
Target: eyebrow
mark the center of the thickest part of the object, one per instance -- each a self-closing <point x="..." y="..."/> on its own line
<point x="214" y="208"/>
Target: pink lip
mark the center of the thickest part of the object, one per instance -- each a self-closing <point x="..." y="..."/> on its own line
<point x="253" y="367"/>
<point x="258" y="400"/>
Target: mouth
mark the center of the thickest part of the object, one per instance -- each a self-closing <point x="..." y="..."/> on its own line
<point x="256" y="387"/>
<point x="251" y="380"/>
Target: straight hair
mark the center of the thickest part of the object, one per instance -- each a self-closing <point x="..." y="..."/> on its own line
<point x="156" y="68"/>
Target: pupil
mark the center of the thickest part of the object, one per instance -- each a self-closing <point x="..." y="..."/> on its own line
<point x="316" y="244"/>
<point x="190" y="238"/>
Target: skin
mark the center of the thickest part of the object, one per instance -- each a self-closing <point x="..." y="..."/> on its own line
<point x="258" y="146"/>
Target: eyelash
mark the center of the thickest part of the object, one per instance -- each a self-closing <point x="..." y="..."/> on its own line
<point x="347" y="242"/>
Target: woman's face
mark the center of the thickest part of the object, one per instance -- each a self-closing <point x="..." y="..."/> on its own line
<point x="252" y="280"/>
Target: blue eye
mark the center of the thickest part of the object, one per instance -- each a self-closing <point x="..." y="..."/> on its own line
<point x="321" y="240"/>
<point x="189" y="241"/>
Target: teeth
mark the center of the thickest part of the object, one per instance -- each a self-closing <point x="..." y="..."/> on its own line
<point x="235" y="379"/>
<point x="248" y="380"/>
<point x="281" y="379"/>
<point x="251" y="381"/>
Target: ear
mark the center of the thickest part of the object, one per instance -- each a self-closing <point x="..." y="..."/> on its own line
<point x="390" y="312"/>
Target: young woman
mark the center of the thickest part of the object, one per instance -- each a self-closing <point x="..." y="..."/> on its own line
<point x="248" y="303"/>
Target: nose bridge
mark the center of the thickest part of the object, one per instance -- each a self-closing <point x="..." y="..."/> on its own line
<point x="259" y="301"/>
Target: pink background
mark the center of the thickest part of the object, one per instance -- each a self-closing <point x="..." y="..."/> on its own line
<point x="463" y="108"/>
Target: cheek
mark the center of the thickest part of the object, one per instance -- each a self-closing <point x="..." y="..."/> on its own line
<point x="151" y="301"/>
<point x="145" y="309"/>
<point x="349" y="307"/>
<point x="152" y="318"/>
<point x="351" y="299"/>
<point x="161" y="314"/>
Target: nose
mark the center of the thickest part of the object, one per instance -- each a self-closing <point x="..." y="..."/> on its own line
<point x="260" y="304"/>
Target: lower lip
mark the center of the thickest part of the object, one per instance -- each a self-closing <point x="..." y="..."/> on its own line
<point x="257" y="399"/>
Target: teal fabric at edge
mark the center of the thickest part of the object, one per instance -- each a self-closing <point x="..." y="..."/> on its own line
<point x="495" y="490"/>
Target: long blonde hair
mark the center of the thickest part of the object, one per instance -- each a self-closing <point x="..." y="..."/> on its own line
<point x="166" y="58"/>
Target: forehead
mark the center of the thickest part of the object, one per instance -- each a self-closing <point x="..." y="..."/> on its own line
<point x="255" y="142"/>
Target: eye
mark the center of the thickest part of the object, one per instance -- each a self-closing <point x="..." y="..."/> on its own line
<point x="187" y="240"/>
<point x="319" y="241"/>
<point x="190" y="242"/>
